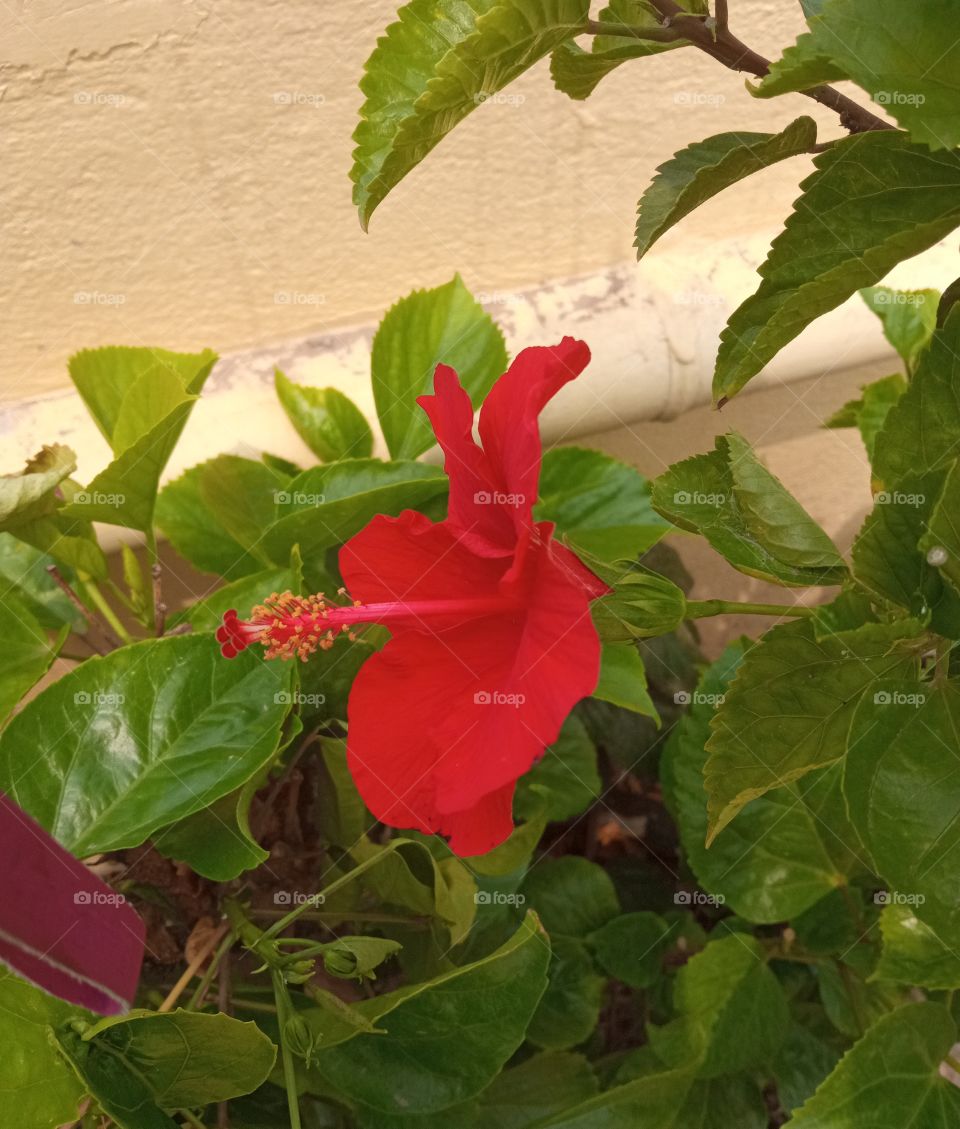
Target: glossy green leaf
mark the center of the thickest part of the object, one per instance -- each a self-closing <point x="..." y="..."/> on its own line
<point x="434" y="66"/>
<point x="891" y="1077"/>
<point x="565" y="781"/>
<point x="569" y="1009"/>
<point x="788" y="710"/>
<point x="902" y="783"/>
<point x="785" y="850"/>
<point x="731" y="1012"/>
<point x="330" y="423"/>
<point x="909" y="318"/>
<point x="196" y="531"/>
<point x="747" y="515"/>
<point x="23" y="571"/>
<point x="445" y="325"/>
<point x="540" y="1086"/>
<point x="600" y="505"/>
<point x="327" y="505"/>
<point x="151" y="733"/>
<point x="623" y="680"/>
<point x="631" y="947"/>
<point x="874" y="200"/>
<point x="37" y="1088"/>
<point x="914" y="953"/>
<point x="188" y="1058"/>
<point x="577" y="72"/>
<point x="869" y="413"/>
<point x="573" y="896"/>
<point x="140" y="399"/>
<point x="27" y="652"/>
<point x="922" y="432"/>
<point x="448" y="1038"/>
<point x="701" y="170"/>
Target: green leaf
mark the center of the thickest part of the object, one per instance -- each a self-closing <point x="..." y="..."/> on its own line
<point x="574" y="897"/>
<point x="785" y="850"/>
<point x="446" y="1039"/>
<point x="577" y="72"/>
<point x="913" y="953"/>
<point x="433" y="67"/>
<point x="788" y="710"/>
<point x="188" y="1058"/>
<point x="23" y="570"/>
<point x="909" y="318"/>
<point x="537" y="1088"/>
<point x="940" y="542"/>
<point x="874" y="200"/>
<point x="140" y="399"/>
<point x="869" y="413"/>
<point x="330" y="423"/>
<point x="732" y="1014"/>
<point x="247" y="498"/>
<point x="326" y="505"/>
<point x="600" y="505"/>
<point x="703" y="169"/>
<point x="37" y="1088"/>
<point x="623" y="680"/>
<point x="151" y="733"/>
<point x="803" y="1062"/>
<point x="196" y="531"/>
<point x="27" y="652"/>
<point x="907" y="61"/>
<point x="748" y="516"/>
<point x="641" y="604"/>
<point x="657" y="1101"/>
<point x="569" y="1009"/>
<point x="714" y="1103"/>
<point x="850" y="1002"/>
<point x="893" y="1071"/>
<point x="565" y="781"/>
<point x="902" y="783"/>
<point x="803" y="66"/>
<point x="631" y="947"/>
<point x="922" y="431"/>
<point x="29" y="494"/>
<point x="445" y="325"/>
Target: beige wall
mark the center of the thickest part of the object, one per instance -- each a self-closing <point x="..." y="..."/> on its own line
<point x="172" y="167"/>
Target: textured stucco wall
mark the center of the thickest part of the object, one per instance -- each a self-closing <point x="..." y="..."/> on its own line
<point x="175" y="173"/>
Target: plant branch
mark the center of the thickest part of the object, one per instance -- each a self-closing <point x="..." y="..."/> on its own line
<point x="703" y="609"/>
<point x="718" y="42"/>
<point x="88" y="617"/>
<point x="159" y="607"/>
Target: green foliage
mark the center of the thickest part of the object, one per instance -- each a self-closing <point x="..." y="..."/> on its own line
<point x="27" y="653"/>
<point x="330" y="424"/>
<point x="445" y="325"/>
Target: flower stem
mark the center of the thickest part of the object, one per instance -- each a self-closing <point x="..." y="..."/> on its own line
<point x="289" y="1069"/>
<point x="703" y="609"/>
<point x="99" y="601"/>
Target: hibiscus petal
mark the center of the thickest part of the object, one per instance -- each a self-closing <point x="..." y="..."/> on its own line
<point x="60" y="926"/>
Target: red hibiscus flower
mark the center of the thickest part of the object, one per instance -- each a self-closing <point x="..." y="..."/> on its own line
<point x="492" y="641"/>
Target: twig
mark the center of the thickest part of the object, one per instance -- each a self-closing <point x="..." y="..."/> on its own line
<point x="225" y="1004"/>
<point x="721" y="15"/>
<point x="159" y="607"/>
<point x="193" y="967"/>
<point x="718" y="42"/>
<point x="89" y="617"/>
